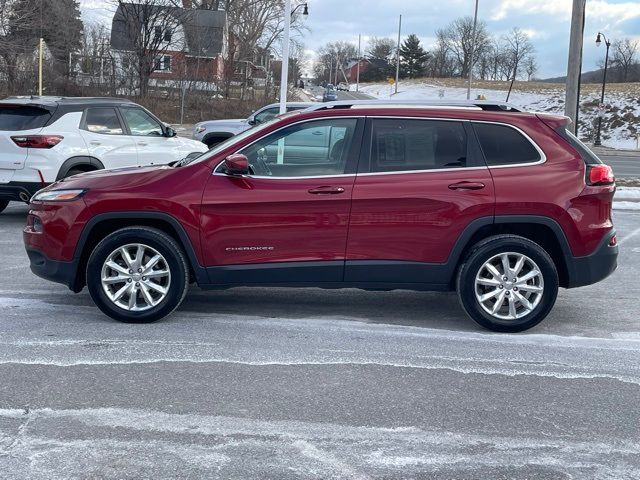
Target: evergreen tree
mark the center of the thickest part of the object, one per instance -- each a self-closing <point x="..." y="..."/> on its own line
<point x="413" y="57"/>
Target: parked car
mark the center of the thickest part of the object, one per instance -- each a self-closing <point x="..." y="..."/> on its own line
<point x="213" y="132"/>
<point x="499" y="205"/>
<point x="44" y="139"/>
<point x="330" y="94"/>
<point x="343" y="86"/>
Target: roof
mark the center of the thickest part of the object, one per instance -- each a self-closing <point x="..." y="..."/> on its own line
<point x="50" y="101"/>
<point x="486" y="105"/>
<point x="204" y="29"/>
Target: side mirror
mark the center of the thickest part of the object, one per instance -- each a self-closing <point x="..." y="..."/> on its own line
<point x="251" y="120"/>
<point x="236" y="164"/>
<point x="169" y="132"/>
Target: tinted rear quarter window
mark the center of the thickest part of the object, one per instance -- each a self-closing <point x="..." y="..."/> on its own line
<point x="15" y="118"/>
<point x="587" y="155"/>
<point x="408" y="144"/>
<point x="503" y="145"/>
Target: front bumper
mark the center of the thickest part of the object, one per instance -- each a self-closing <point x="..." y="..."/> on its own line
<point x="19" y="191"/>
<point x="53" y="270"/>
<point x="593" y="268"/>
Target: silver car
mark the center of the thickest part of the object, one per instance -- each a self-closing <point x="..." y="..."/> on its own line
<point x="212" y="132"/>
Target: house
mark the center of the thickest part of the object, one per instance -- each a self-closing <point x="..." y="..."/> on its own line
<point x="351" y="69"/>
<point x="188" y="45"/>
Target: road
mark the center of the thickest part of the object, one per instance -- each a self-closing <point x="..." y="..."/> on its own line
<point x="342" y="95"/>
<point x="623" y="166"/>
<point x="313" y="384"/>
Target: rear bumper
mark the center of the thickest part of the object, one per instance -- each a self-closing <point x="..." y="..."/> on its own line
<point x="595" y="267"/>
<point x="53" y="270"/>
<point x="19" y="191"/>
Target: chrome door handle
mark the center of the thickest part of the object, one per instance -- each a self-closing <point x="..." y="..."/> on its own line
<point x="95" y="142"/>
<point x="467" y="186"/>
<point x="143" y="144"/>
<point x="326" y="190"/>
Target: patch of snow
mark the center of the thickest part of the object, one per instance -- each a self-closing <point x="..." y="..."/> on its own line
<point x="627" y="193"/>
<point x="626" y="205"/>
<point x="620" y="134"/>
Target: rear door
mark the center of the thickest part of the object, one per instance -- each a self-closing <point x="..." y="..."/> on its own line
<point x="106" y="139"/>
<point x="424" y="182"/>
<point x="148" y="134"/>
<point x="17" y="120"/>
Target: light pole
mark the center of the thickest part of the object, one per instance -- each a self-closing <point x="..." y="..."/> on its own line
<point x="473" y="48"/>
<point x="604" y="82"/>
<point x="284" y="74"/>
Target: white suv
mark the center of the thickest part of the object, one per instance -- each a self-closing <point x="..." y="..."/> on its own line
<point x="44" y="139"/>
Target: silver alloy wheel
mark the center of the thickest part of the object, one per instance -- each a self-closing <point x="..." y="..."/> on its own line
<point x="509" y="286"/>
<point x="135" y="277"/>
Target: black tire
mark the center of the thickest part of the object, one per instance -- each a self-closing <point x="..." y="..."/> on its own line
<point x="482" y="252"/>
<point x="3" y="205"/>
<point x="163" y="244"/>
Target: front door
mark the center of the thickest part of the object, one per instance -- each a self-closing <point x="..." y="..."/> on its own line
<point x="287" y="221"/>
<point x="147" y="133"/>
<point x="106" y="138"/>
<point x="425" y="182"/>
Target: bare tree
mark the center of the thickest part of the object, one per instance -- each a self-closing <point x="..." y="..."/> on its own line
<point x="624" y="56"/>
<point x="517" y="48"/>
<point x="530" y="67"/>
<point x="459" y="39"/>
<point x="331" y="59"/>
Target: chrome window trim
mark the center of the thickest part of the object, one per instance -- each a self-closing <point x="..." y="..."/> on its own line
<point x="339" y="175"/>
<point x="543" y="157"/>
<point x="431" y="170"/>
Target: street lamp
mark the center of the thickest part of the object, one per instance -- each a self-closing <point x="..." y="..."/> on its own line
<point x="604" y="81"/>
<point x="284" y="74"/>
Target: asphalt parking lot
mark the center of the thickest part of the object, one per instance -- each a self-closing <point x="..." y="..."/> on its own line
<point x="270" y="383"/>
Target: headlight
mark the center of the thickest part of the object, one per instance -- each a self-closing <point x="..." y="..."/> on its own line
<point x="200" y="129"/>
<point x="57" y="195"/>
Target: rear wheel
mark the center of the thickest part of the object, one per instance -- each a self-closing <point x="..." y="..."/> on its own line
<point x="137" y="275"/>
<point x="3" y="205"/>
<point x="75" y="171"/>
<point x="507" y="283"/>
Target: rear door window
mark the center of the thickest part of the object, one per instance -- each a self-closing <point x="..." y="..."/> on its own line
<point x="414" y="144"/>
<point x="504" y="145"/>
<point x="103" y="120"/>
<point x="16" y="118"/>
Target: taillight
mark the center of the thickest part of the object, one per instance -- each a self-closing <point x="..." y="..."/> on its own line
<point x="37" y="141"/>
<point x="599" y="175"/>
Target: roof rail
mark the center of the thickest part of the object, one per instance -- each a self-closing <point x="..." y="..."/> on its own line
<point x="487" y="105"/>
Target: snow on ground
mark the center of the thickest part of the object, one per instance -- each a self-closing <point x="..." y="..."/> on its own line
<point x="621" y="125"/>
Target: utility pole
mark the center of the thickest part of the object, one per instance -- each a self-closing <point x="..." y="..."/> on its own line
<point x="358" y="66"/>
<point x="40" y="58"/>
<point x="574" y="65"/>
<point x="473" y="48"/>
<point x="398" y="54"/>
<point x="284" y="74"/>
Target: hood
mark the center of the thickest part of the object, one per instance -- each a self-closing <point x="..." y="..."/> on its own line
<point x="105" y="179"/>
<point x="232" y="122"/>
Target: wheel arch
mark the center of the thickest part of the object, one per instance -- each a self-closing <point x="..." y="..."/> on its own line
<point x="79" y="161"/>
<point x="217" y="135"/>
<point x="104" y="224"/>
<point x="545" y="231"/>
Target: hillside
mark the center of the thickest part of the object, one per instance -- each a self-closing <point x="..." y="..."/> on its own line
<point x="620" y="125"/>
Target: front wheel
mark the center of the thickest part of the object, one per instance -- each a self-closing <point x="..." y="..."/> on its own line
<point x="507" y="283"/>
<point x="137" y="275"/>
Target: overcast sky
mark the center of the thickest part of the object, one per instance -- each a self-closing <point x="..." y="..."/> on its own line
<point x="546" y="21"/>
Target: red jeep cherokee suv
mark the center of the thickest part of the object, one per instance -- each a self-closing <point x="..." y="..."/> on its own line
<point x="500" y="205"/>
